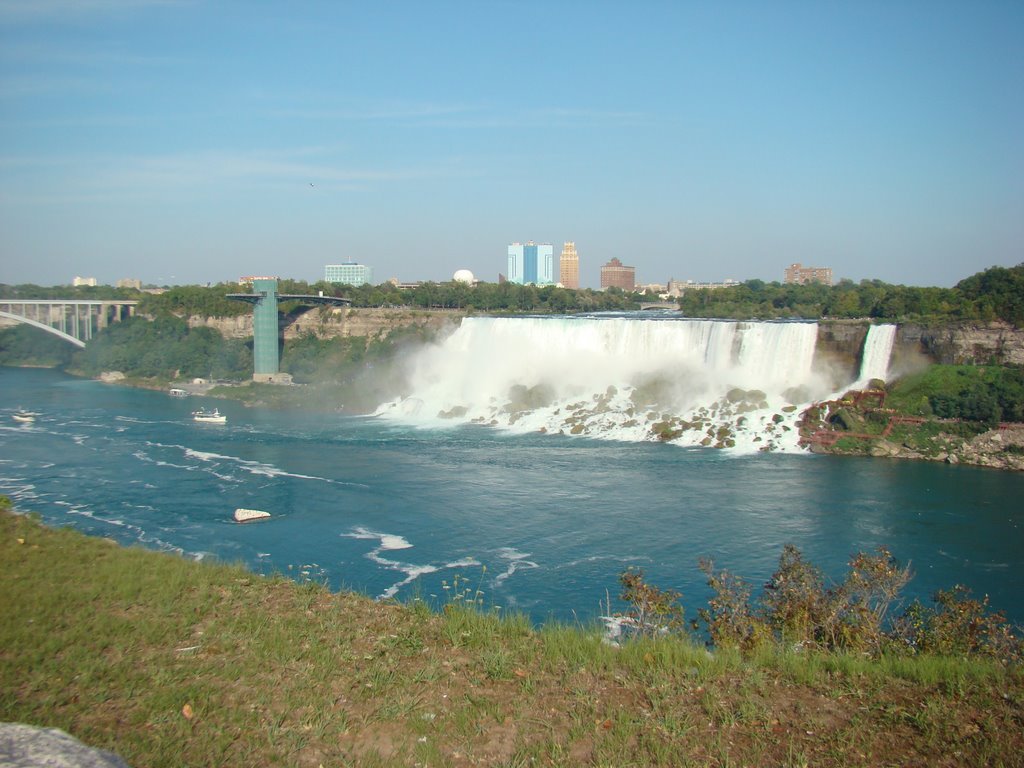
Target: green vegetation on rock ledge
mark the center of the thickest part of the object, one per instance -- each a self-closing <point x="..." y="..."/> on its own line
<point x="954" y="413"/>
<point x="169" y="662"/>
<point x="987" y="394"/>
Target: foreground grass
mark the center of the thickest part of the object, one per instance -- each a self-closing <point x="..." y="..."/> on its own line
<point x="169" y="662"/>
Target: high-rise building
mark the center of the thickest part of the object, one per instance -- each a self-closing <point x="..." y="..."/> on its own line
<point x="799" y="274"/>
<point x="615" y="274"/>
<point x="89" y="281"/>
<point x="531" y="263"/>
<point x="569" y="267"/>
<point x="349" y="273"/>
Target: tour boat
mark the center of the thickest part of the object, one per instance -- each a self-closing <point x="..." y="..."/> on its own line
<point x="209" y="417"/>
<point x="24" y="417"/>
<point x="176" y="392"/>
<point x="249" y="515"/>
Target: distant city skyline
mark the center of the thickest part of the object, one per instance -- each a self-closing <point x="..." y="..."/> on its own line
<point x="180" y="142"/>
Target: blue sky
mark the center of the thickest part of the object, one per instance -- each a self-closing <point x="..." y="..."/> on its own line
<point x="189" y="141"/>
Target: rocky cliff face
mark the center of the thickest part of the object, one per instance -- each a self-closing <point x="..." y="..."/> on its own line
<point x="839" y="347"/>
<point x="332" y="322"/>
<point x="964" y="343"/>
<point x="841" y="343"/>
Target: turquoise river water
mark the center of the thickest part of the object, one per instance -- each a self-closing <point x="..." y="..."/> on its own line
<point x="392" y="509"/>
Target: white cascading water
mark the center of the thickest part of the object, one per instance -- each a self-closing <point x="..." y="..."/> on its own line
<point x="689" y="382"/>
<point x="877" y="352"/>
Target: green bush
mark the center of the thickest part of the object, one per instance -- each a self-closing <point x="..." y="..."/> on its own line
<point x="985" y="394"/>
<point x="958" y="625"/>
<point x="652" y="610"/>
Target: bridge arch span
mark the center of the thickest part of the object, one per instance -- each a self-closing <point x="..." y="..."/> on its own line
<point x="43" y="326"/>
<point x="74" y="320"/>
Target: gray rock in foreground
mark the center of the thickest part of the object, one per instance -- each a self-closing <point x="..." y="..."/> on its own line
<point x="26" y="746"/>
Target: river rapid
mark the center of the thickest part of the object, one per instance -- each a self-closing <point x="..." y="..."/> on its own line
<point x="539" y="523"/>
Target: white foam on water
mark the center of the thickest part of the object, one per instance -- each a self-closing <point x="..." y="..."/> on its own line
<point x="216" y="460"/>
<point x="18" y="490"/>
<point x="631" y="559"/>
<point x="253" y="467"/>
<point x="143" y="456"/>
<point x="137" y="531"/>
<point x="389" y="542"/>
<point x="516" y="561"/>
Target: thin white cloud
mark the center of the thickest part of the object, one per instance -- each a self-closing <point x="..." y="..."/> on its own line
<point x="47" y="179"/>
<point x="32" y="85"/>
<point x="470" y="116"/>
<point x="30" y="11"/>
<point x="210" y="168"/>
<point x="392" y="113"/>
<point x="36" y="52"/>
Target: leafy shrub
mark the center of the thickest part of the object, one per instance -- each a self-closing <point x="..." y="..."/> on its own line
<point x="798" y="609"/>
<point x="730" y="620"/>
<point x="652" y="611"/>
<point x="794" y="599"/>
<point x="958" y="625"/>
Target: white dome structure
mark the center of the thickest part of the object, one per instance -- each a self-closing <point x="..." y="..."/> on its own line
<point x="463" y="276"/>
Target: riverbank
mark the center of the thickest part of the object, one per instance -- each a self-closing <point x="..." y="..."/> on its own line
<point x="170" y="662"/>
<point x="859" y="424"/>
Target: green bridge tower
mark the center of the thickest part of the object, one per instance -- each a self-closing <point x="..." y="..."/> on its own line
<point x="266" y="325"/>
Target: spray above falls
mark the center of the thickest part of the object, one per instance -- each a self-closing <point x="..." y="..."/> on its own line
<point x="691" y="382"/>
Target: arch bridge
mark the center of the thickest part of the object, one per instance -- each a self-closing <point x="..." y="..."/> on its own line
<point x="74" y="320"/>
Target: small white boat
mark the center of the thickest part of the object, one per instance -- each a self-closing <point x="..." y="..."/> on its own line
<point x="209" y="417"/>
<point x="177" y="392"/>
<point x="249" y="515"/>
<point x="24" y="417"/>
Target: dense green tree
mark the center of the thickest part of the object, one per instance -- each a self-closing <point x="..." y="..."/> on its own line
<point x="82" y="292"/>
<point x="164" y="347"/>
<point x="26" y="345"/>
<point x="998" y="292"/>
<point x="995" y="294"/>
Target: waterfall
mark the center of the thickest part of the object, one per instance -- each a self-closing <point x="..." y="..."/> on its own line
<point x="690" y="382"/>
<point x="874" y="362"/>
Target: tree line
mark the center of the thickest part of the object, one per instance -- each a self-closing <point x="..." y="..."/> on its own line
<point x="994" y="294"/>
<point x="483" y="297"/>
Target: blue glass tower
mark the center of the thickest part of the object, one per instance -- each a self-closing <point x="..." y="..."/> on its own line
<point x="531" y="263"/>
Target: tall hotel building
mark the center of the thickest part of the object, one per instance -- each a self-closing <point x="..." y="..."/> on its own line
<point x="615" y="274"/>
<point x="531" y="263"/>
<point x="800" y="275"/>
<point x="348" y="274"/>
<point x="569" y="267"/>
